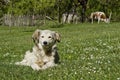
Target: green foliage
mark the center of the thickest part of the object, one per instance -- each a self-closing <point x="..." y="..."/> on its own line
<point x="29" y="6"/>
<point x="50" y="7"/>
<point x="87" y="52"/>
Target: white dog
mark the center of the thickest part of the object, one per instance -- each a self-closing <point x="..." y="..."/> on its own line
<point x="100" y="16"/>
<point x="73" y="18"/>
<point x="70" y="17"/>
<point x="44" y="54"/>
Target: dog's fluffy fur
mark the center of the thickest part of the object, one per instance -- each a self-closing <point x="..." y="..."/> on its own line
<point x="44" y="54"/>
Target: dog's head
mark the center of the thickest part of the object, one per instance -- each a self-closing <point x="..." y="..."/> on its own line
<point x="45" y="38"/>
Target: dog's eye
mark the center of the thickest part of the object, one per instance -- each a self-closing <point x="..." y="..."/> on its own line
<point x="42" y="36"/>
<point x="49" y="37"/>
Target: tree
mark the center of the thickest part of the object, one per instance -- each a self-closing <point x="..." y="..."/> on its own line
<point x="3" y="4"/>
<point x="29" y="6"/>
<point x="83" y="3"/>
<point x="50" y="7"/>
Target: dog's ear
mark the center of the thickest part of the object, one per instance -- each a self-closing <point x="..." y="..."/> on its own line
<point x="57" y="36"/>
<point x="35" y="36"/>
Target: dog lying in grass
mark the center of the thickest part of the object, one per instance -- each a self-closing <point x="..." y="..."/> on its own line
<point x="44" y="53"/>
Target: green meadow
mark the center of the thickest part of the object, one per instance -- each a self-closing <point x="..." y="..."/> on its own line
<point x="87" y="52"/>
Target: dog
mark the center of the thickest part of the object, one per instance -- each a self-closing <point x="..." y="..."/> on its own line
<point x="70" y="18"/>
<point x="100" y="16"/>
<point x="44" y="53"/>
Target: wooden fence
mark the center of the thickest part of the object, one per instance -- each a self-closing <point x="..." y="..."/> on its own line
<point x="23" y="20"/>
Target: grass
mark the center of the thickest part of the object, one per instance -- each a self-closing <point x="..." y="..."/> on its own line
<point x="87" y="52"/>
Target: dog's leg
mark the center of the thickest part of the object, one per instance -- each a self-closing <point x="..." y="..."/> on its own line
<point x="23" y="62"/>
<point x="98" y="20"/>
<point x="35" y="67"/>
<point x="48" y="64"/>
<point x="76" y="22"/>
<point x="92" y="20"/>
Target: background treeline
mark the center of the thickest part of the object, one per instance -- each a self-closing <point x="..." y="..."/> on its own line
<point x="53" y="7"/>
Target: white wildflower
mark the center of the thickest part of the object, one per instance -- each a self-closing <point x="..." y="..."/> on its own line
<point x="118" y="78"/>
<point x="6" y="54"/>
<point x="91" y="56"/>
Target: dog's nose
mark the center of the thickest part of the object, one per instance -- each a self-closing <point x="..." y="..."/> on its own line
<point x="45" y="42"/>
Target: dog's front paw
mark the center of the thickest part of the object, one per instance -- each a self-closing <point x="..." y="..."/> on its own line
<point x="17" y="63"/>
<point x="35" y="67"/>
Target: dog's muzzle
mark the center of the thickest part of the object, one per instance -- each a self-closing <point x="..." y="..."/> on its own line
<point x="45" y="42"/>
